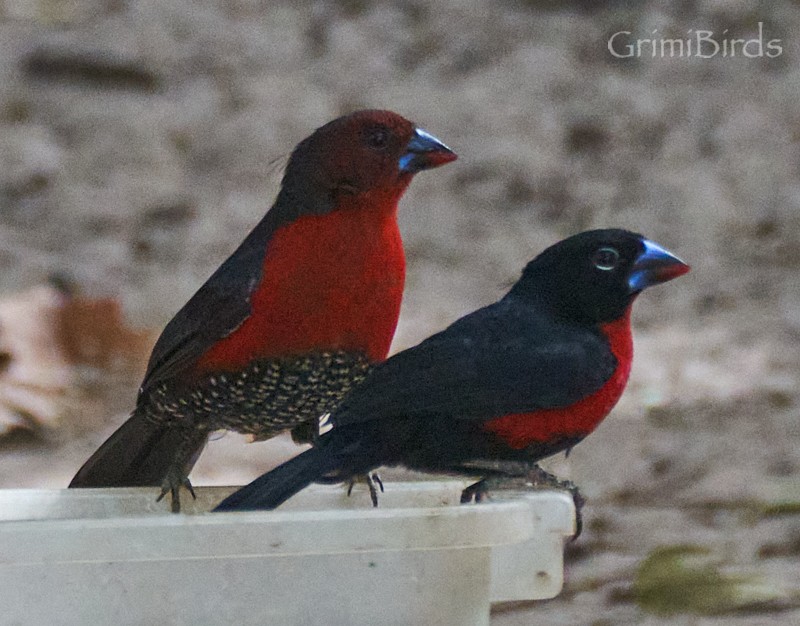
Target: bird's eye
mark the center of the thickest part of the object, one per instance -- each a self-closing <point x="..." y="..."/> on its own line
<point x="378" y="138"/>
<point x="605" y="259"/>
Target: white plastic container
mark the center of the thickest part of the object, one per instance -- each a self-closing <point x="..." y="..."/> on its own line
<point x="115" y="556"/>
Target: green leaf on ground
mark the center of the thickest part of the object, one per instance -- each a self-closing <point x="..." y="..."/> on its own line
<point x="686" y="579"/>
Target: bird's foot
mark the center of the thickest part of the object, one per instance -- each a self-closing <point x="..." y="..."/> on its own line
<point x="482" y="489"/>
<point x="542" y="478"/>
<point x="534" y="477"/>
<point x="477" y="491"/>
<point x="172" y="485"/>
<point x="371" y="480"/>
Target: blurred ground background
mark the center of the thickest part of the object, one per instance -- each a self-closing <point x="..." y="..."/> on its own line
<point x="139" y="142"/>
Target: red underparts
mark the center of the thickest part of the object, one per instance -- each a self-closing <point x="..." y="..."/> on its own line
<point x="520" y="430"/>
<point x="329" y="282"/>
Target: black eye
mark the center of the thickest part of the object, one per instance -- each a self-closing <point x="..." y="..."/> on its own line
<point x="605" y="259"/>
<point x="378" y="138"/>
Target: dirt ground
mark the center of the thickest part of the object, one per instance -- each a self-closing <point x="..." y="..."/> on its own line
<point x="139" y="142"/>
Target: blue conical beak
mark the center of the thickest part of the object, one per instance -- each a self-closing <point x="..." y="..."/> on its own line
<point x="654" y="266"/>
<point x="423" y="152"/>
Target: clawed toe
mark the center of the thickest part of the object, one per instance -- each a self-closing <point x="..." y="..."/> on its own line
<point x="172" y="485"/>
<point x="535" y="477"/>
<point x="370" y="480"/>
<point x="476" y="491"/>
<point x="540" y="477"/>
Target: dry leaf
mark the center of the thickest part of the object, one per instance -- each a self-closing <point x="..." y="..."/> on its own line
<point x="94" y="332"/>
<point x="47" y="341"/>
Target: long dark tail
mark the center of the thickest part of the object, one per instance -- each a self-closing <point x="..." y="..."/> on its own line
<point x="275" y="487"/>
<point x="140" y="454"/>
<point x="342" y="453"/>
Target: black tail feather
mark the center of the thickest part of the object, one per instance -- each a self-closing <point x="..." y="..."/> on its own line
<point x="139" y="454"/>
<point x="275" y="487"/>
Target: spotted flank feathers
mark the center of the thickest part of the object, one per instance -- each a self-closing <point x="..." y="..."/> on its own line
<point x="263" y="399"/>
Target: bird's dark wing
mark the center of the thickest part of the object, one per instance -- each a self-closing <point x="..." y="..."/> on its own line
<point x="503" y="359"/>
<point x="217" y="309"/>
